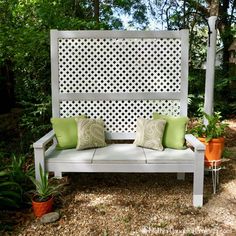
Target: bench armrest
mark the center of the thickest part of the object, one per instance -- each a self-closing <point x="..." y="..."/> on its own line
<point x="42" y="142"/>
<point x="39" y="151"/>
<point x="195" y="142"/>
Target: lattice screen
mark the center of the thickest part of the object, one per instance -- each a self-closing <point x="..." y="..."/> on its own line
<point x="119" y="116"/>
<point x="119" y="66"/>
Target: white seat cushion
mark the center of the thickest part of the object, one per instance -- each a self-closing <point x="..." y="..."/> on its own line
<point x="119" y="154"/>
<point x="70" y="155"/>
<point x="172" y="156"/>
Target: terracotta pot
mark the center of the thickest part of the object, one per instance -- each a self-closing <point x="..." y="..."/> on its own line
<point x="41" y="208"/>
<point x="214" y="150"/>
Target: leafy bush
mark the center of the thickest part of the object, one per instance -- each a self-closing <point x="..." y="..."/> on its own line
<point x="21" y="171"/>
<point x="10" y="192"/>
<point x="25" y="51"/>
<point x="224" y="93"/>
<point x="196" y="92"/>
<point x="15" y="182"/>
<point x="213" y="129"/>
<point x="34" y="122"/>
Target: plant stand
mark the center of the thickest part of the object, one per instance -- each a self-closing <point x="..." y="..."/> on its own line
<point x="214" y="168"/>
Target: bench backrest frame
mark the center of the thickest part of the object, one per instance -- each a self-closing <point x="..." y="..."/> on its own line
<point x="67" y="54"/>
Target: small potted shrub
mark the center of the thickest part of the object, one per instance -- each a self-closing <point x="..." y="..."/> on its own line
<point x="212" y="135"/>
<point x="42" y="201"/>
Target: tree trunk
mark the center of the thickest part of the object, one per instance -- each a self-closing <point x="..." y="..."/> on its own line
<point x="214" y="8"/>
<point x="226" y="34"/>
<point x="220" y="9"/>
<point x="7" y="98"/>
<point x="96" y="10"/>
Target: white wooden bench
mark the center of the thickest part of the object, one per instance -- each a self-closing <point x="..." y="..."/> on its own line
<point x="119" y="76"/>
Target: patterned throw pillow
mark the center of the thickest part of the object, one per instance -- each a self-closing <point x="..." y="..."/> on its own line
<point x="90" y="133"/>
<point x="149" y="133"/>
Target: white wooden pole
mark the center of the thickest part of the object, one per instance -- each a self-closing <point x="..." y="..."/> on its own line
<point x="210" y="67"/>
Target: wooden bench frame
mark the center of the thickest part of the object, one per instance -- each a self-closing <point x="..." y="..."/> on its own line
<point x="42" y="149"/>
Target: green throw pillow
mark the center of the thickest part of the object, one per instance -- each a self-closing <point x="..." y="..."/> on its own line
<point x="90" y="133"/>
<point x="66" y="131"/>
<point x="174" y="130"/>
<point x="149" y="133"/>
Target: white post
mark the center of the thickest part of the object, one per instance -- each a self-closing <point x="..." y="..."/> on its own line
<point x="210" y="67"/>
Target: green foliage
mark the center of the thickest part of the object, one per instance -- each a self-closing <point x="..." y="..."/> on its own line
<point x="194" y="15"/>
<point x="135" y="11"/>
<point x="15" y="182"/>
<point x="44" y="188"/>
<point x="35" y="121"/>
<point x="198" y="46"/>
<point x="20" y="172"/>
<point x="213" y="129"/>
<point x="25" y="49"/>
<point x="10" y="192"/>
<point x="195" y="104"/>
<point x="196" y="92"/>
<point x="225" y="93"/>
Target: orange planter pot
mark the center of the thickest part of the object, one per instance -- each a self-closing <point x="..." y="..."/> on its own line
<point x="41" y="208"/>
<point x="214" y="150"/>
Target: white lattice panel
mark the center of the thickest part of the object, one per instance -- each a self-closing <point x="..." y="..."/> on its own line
<point x="119" y="76"/>
<point x="119" y="65"/>
<point x="119" y="116"/>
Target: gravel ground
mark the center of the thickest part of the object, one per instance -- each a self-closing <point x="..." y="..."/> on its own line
<point x="140" y="204"/>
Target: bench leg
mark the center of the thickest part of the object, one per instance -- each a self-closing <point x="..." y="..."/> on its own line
<point x="58" y="174"/>
<point x="198" y="179"/>
<point x="198" y="190"/>
<point x="181" y="176"/>
<point x="197" y="200"/>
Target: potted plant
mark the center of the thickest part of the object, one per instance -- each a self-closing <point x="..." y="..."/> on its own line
<point x="212" y="135"/>
<point x="42" y="200"/>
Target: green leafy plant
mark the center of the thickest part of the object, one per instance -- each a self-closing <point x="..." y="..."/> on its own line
<point x="15" y="182"/>
<point x="21" y="171"/>
<point x="44" y="187"/>
<point x="213" y="129"/>
<point x="10" y="192"/>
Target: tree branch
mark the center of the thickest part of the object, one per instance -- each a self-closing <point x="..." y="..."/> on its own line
<point x="232" y="12"/>
<point x="200" y="8"/>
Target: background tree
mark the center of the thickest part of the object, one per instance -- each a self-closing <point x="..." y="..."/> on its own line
<point x="176" y="14"/>
<point x="25" y="51"/>
<point x="24" y="43"/>
<point x="193" y="14"/>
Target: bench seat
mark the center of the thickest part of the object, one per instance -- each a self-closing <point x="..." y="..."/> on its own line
<point x="70" y="155"/>
<point x="171" y="156"/>
<point x="121" y="154"/>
